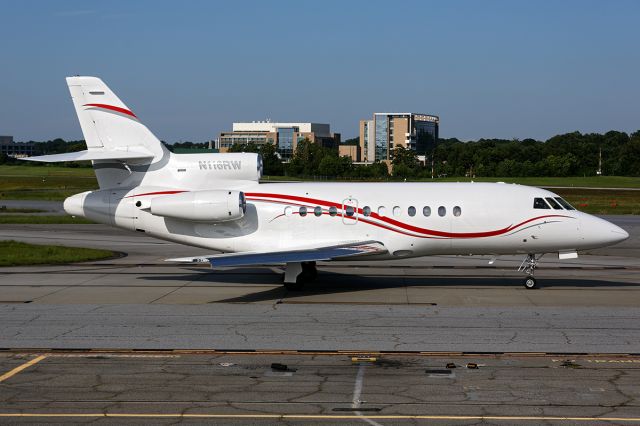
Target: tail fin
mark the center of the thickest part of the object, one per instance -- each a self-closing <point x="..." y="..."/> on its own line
<point x="118" y="144"/>
<point x="111" y="130"/>
<point x="107" y="123"/>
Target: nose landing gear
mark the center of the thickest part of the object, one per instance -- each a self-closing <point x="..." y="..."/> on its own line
<point x="528" y="266"/>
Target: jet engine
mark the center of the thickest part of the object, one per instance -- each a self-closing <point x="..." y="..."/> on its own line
<point x="201" y="206"/>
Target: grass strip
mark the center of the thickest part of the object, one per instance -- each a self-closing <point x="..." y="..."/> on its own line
<point x="15" y="253"/>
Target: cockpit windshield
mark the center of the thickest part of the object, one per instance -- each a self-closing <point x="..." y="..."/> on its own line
<point x="565" y="204"/>
<point x="539" y="203"/>
<point x="554" y="203"/>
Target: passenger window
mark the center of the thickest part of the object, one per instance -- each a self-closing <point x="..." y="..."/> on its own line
<point x="366" y="210"/>
<point x="302" y="211"/>
<point x="553" y="203"/>
<point x="442" y="211"/>
<point x="397" y="211"/>
<point x="317" y="211"/>
<point x="539" y="203"/>
<point x="382" y="211"/>
<point x="288" y="211"/>
<point x="564" y="203"/>
<point x="411" y="211"/>
<point x="333" y="211"/>
<point x="426" y="211"/>
<point x="349" y="211"/>
<point x="457" y="211"/>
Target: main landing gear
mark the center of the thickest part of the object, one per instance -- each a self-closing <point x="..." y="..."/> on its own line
<point x="528" y="266"/>
<point x="296" y="274"/>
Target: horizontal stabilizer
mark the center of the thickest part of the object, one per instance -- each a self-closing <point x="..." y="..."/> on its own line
<point x="336" y="251"/>
<point x="93" y="154"/>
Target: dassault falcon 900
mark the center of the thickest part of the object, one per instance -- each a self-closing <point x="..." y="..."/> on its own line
<point x="215" y="201"/>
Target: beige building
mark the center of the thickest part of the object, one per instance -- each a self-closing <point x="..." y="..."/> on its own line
<point x="379" y="136"/>
<point x="285" y="136"/>
<point x="352" y="151"/>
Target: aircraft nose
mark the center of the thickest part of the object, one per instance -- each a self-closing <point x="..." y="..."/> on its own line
<point x="619" y="234"/>
<point x="603" y="233"/>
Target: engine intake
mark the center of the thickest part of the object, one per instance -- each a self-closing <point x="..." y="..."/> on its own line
<point x="201" y="206"/>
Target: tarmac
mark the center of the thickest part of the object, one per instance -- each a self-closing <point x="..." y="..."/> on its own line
<point x="135" y="339"/>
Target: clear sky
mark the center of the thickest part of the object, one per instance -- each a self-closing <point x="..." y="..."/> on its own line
<point x="188" y="69"/>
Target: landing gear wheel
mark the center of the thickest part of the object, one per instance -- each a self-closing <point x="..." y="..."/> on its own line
<point x="530" y="283"/>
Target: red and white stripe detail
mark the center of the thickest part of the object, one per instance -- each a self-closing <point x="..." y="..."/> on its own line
<point x="112" y="108"/>
<point x="389" y="223"/>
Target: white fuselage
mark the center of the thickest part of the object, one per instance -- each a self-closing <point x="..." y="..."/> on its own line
<point x="409" y="219"/>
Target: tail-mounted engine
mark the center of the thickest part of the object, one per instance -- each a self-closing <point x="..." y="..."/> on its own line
<point x="201" y="206"/>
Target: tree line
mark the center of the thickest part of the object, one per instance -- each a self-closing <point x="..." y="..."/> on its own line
<point x="570" y="154"/>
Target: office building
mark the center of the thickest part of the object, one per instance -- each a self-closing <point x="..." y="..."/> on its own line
<point x="351" y="151"/>
<point x="285" y="136"/>
<point x="17" y="149"/>
<point x="379" y="136"/>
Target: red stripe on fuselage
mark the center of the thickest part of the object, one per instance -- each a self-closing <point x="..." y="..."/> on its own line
<point x="156" y="193"/>
<point x="402" y="225"/>
<point x="112" y="108"/>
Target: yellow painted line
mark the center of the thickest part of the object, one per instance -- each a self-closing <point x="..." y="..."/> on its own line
<point x="325" y="417"/>
<point x="363" y="359"/>
<point x="18" y="369"/>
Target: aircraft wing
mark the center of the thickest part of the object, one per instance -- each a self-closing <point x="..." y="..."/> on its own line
<point x="307" y="254"/>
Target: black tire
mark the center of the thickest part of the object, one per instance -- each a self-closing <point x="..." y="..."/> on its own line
<point x="530" y="283"/>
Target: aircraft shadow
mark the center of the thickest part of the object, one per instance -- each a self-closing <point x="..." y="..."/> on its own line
<point x="334" y="283"/>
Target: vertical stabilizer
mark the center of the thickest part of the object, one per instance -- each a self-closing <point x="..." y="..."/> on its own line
<point x="106" y="122"/>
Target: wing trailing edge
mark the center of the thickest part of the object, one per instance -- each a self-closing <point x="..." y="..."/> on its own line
<point x="307" y="254"/>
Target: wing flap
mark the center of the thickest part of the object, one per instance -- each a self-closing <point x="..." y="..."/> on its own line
<point x="332" y="252"/>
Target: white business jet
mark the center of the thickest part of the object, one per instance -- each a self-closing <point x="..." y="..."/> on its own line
<point x="215" y="201"/>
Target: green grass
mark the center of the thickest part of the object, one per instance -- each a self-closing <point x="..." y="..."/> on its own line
<point x="602" y="201"/>
<point x="14" y="253"/>
<point x="53" y="183"/>
<point x="589" y="181"/>
<point x="59" y="219"/>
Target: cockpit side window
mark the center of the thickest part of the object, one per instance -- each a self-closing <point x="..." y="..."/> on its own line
<point x="539" y="203"/>
<point x="554" y="203"/>
<point x="564" y="203"/>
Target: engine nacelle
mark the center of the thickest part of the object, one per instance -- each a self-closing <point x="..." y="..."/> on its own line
<point x="201" y="206"/>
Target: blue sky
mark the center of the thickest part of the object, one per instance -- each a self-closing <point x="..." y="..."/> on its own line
<point x="188" y="69"/>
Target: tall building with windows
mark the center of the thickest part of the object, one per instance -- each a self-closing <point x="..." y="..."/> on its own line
<point x="285" y="136"/>
<point x="387" y="130"/>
